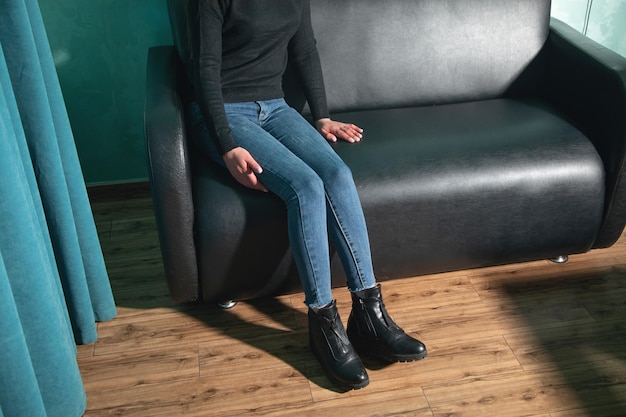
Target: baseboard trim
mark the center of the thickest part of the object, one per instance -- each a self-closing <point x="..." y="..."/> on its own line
<point x="118" y="191"/>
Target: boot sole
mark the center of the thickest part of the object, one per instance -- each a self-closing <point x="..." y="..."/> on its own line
<point x="386" y="356"/>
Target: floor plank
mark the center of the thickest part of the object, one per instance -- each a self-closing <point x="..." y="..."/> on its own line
<point x="535" y="339"/>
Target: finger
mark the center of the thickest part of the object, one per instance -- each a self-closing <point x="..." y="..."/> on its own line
<point x="351" y="133"/>
<point x="254" y="169"/>
<point x="256" y="184"/>
<point x="261" y="187"/>
<point x="355" y="131"/>
<point x="348" y="136"/>
<point x="356" y="128"/>
<point x="253" y="165"/>
<point x="329" y="136"/>
<point x="250" y="180"/>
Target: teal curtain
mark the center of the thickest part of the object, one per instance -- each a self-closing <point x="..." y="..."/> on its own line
<point x="53" y="281"/>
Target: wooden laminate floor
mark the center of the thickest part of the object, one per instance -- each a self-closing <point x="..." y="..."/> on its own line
<point x="535" y="339"/>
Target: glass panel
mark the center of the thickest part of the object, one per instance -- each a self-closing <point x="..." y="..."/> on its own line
<point x="607" y="24"/>
<point x="604" y="21"/>
<point x="571" y="12"/>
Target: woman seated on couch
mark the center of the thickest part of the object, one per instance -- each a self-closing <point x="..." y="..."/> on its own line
<point x="268" y="146"/>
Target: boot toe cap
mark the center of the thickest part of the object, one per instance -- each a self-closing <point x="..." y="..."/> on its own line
<point x="409" y="349"/>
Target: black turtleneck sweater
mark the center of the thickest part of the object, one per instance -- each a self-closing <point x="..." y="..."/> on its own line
<point x="243" y="51"/>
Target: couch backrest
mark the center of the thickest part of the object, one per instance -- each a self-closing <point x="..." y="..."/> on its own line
<point x="398" y="53"/>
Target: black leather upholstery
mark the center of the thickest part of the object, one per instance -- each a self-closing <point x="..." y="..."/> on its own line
<point x="410" y="53"/>
<point x="170" y="172"/>
<point x="587" y="83"/>
<point x="491" y="137"/>
<point x="486" y="182"/>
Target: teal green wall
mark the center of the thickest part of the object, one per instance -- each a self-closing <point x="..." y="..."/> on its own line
<point x="100" y="49"/>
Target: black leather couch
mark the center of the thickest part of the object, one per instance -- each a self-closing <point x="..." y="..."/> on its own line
<point x="493" y="135"/>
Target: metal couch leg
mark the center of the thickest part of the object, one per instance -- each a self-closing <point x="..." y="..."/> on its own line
<point x="228" y="304"/>
<point x="561" y="259"/>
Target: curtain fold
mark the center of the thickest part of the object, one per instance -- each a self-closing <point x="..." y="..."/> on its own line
<point x="53" y="281"/>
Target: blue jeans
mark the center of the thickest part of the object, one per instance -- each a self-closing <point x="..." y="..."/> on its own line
<point x="301" y="167"/>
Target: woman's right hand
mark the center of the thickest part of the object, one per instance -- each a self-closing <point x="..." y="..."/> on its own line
<point x="244" y="168"/>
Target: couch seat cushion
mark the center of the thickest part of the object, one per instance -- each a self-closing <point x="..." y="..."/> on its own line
<point x="479" y="183"/>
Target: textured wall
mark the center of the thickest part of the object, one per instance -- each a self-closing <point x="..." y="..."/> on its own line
<point x="100" y="50"/>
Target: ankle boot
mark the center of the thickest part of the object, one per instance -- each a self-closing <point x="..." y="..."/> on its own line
<point x="375" y="334"/>
<point x="331" y="345"/>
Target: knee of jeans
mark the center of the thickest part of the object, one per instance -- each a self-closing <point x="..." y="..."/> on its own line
<point x="341" y="174"/>
<point x="310" y="188"/>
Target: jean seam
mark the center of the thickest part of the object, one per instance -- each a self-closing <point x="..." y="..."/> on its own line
<point x="355" y="260"/>
<point x="315" y="275"/>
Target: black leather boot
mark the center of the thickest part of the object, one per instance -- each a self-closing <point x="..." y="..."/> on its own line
<point x="333" y="349"/>
<point x="375" y="334"/>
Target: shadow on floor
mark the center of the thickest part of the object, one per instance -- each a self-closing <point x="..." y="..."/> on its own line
<point x="590" y="355"/>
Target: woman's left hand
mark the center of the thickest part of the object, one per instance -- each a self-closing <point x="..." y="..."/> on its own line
<point x="333" y="130"/>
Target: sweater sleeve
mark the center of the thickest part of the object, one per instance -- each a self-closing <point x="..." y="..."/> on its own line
<point x="208" y="73"/>
<point x="303" y="53"/>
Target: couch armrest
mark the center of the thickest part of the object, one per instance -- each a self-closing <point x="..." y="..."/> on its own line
<point x="587" y="83"/>
<point x="170" y="173"/>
